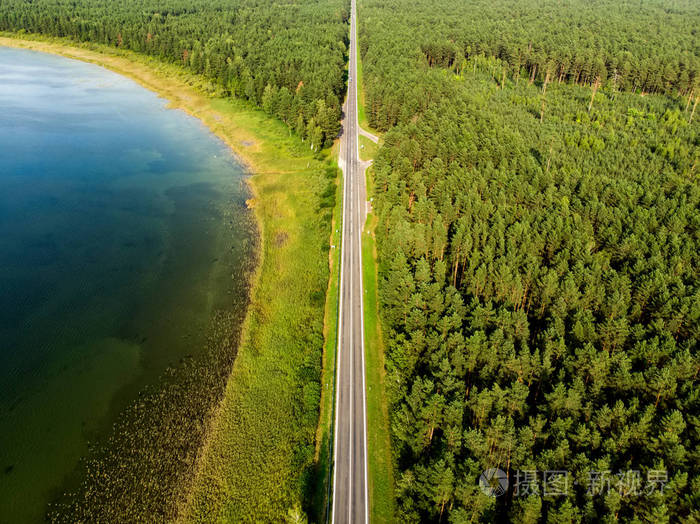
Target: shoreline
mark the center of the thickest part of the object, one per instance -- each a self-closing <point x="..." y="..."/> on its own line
<point x="267" y="152"/>
<point x="150" y="74"/>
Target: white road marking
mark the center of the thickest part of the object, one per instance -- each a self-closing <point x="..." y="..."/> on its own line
<point x="352" y="217"/>
<point x="340" y="334"/>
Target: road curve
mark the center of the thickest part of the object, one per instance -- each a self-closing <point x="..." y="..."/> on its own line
<point x="350" y="499"/>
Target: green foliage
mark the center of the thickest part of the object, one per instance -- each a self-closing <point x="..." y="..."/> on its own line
<point x="288" y="59"/>
<point x="538" y="271"/>
<point x="649" y="47"/>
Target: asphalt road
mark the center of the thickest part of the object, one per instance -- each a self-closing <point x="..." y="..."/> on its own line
<point x="350" y="500"/>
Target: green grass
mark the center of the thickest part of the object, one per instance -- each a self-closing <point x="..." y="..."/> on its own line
<point x="258" y="461"/>
<point x="324" y="435"/>
<point x="381" y="470"/>
<point x="368" y="149"/>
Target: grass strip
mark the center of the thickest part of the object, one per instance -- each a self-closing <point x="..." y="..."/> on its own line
<point x="324" y="435"/>
<point x="368" y="149"/>
<point x="381" y="468"/>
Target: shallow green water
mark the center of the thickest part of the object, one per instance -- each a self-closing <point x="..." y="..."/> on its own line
<point x="123" y="232"/>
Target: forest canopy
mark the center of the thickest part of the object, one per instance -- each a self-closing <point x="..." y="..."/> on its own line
<point x="647" y="47"/>
<point x="288" y="58"/>
<point x="538" y="246"/>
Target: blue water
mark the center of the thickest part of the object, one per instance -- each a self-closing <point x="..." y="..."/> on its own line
<point x="123" y="229"/>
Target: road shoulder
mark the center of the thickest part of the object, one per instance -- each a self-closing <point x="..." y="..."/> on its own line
<point x="381" y="468"/>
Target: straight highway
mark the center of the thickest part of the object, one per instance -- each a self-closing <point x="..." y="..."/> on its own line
<point x="350" y="499"/>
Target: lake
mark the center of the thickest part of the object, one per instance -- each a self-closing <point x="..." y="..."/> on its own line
<point x="125" y="250"/>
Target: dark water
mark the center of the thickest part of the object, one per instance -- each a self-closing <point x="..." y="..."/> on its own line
<point x="123" y="230"/>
